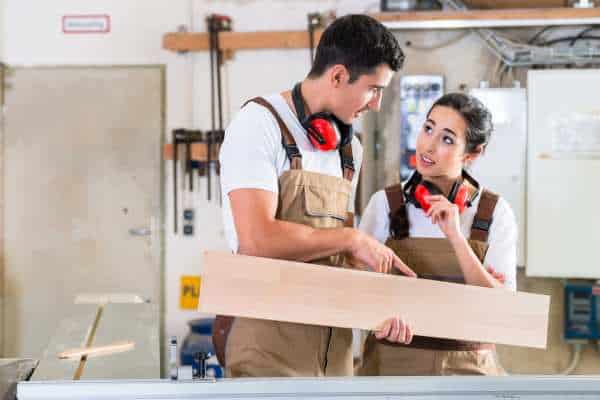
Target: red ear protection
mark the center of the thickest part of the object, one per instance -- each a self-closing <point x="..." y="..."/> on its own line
<point x="459" y="194"/>
<point x="325" y="131"/>
<point x="322" y="132"/>
<point x="420" y="193"/>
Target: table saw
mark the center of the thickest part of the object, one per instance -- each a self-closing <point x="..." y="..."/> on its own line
<point x="550" y="387"/>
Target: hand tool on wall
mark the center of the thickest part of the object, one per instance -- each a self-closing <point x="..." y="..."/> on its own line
<point x="175" y="148"/>
<point x="215" y="24"/>
<point x="187" y="138"/>
<point x="211" y="138"/>
<point x="193" y="159"/>
<point x="315" y="21"/>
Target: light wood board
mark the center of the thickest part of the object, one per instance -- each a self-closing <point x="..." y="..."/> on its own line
<point x="297" y="292"/>
<point x="97" y="351"/>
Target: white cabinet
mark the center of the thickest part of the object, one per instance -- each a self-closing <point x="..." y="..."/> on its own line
<point x="563" y="159"/>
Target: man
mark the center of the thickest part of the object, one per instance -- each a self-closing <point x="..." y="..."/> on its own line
<point x="289" y="166"/>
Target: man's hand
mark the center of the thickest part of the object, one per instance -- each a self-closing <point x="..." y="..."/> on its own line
<point x="365" y="250"/>
<point x="395" y="330"/>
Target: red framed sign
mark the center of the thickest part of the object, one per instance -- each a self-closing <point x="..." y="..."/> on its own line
<point x="91" y="23"/>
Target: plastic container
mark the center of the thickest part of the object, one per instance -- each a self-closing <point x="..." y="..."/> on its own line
<point x="199" y="339"/>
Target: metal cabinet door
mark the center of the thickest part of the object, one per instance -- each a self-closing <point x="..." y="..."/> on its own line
<point x="82" y="192"/>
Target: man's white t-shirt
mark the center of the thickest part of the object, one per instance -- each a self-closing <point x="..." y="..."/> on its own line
<point x="252" y="155"/>
<point x="502" y="239"/>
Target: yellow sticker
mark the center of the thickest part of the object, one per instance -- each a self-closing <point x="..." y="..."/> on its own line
<point x="190" y="292"/>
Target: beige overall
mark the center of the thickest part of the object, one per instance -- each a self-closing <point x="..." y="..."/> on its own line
<point x="432" y="258"/>
<point x="261" y="348"/>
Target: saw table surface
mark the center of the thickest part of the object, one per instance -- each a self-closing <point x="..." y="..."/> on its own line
<point x="389" y="388"/>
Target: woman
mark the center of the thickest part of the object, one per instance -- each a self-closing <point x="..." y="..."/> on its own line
<point x="444" y="226"/>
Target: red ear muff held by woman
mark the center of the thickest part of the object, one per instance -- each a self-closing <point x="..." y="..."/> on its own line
<point x="417" y="190"/>
<point x="324" y="130"/>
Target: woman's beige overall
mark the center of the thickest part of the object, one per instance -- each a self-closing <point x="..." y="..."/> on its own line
<point x="432" y="258"/>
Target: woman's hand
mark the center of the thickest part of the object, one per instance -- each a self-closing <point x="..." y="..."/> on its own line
<point x="445" y="214"/>
<point x="395" y="330"/>
<point x="497" y="275"/>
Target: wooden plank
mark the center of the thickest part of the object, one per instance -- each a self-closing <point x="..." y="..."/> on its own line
<point x="71" y="332"/>
<point x="97" y="351"/>
<point x="298" y="292"/>
<point x="199" y="151"/>
<point x="181" y="41"/>
<point x="137" y="323"/>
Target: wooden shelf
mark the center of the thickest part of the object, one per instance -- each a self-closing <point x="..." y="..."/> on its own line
<point x="240" y="40"/>
<point x="231" y="41"/>
<point x="199" y="151"/>
<point x="561" y="13"/>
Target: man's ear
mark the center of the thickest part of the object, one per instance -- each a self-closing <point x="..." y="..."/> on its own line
<point x="338" y="74"/>
<point x="471" y="156"/>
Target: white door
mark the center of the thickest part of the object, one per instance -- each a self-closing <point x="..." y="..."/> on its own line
<point x="82" y="192"/>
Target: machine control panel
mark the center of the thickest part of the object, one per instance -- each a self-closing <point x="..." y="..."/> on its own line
<point x="582" y="311"/>
<point x="417" y="95"/>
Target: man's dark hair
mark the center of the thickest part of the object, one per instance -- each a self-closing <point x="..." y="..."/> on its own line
<point x="358" y="42"/>
<point x="475" y="114"/>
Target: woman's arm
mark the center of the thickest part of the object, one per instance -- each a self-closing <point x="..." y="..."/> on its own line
<point x="446" y="215"/>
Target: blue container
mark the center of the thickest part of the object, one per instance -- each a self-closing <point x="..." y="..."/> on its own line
<point x="199" y="339"/>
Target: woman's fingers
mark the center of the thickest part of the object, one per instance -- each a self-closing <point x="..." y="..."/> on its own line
<point x="384" y="330"/>
<point x="395" y="330"/>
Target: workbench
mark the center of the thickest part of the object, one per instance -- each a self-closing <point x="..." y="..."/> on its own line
<point x="412" y="388"/>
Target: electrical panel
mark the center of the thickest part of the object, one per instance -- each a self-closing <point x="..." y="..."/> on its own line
<point x="582" y="311"/>
<point x="501" y="168"/>
<point x="417" y="95"/>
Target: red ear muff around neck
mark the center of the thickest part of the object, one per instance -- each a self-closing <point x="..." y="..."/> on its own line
<point x="324" y="130"/>
<point x="323" y="134"/>
<point x="420" y="193"/>
<point x="424" y="189"/>
<point x="461" y="198"/>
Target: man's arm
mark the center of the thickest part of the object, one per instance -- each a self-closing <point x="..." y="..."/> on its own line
<point x="261" y="234"/>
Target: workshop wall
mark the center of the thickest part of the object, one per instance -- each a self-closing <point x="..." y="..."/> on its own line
<point x="2" y="29"/>
<point x="36" y="39"/>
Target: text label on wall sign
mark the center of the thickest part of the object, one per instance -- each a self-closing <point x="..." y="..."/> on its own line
<point x="190" y="292"/>
<point x="86" y="23"/>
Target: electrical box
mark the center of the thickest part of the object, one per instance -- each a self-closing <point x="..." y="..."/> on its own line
<point x="502" y="166"/>
<point x="417" y="95"/>
<point x="582" y="311"/>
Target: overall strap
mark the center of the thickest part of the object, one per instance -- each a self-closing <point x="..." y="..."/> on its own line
<point x="483" y="219"/>
<point x="347" y="161"/>
<point x="287" y="140"/>
<point x="399" y="224"/>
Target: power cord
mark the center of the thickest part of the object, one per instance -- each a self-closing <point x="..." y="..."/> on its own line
<point x="577" y="349"/>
